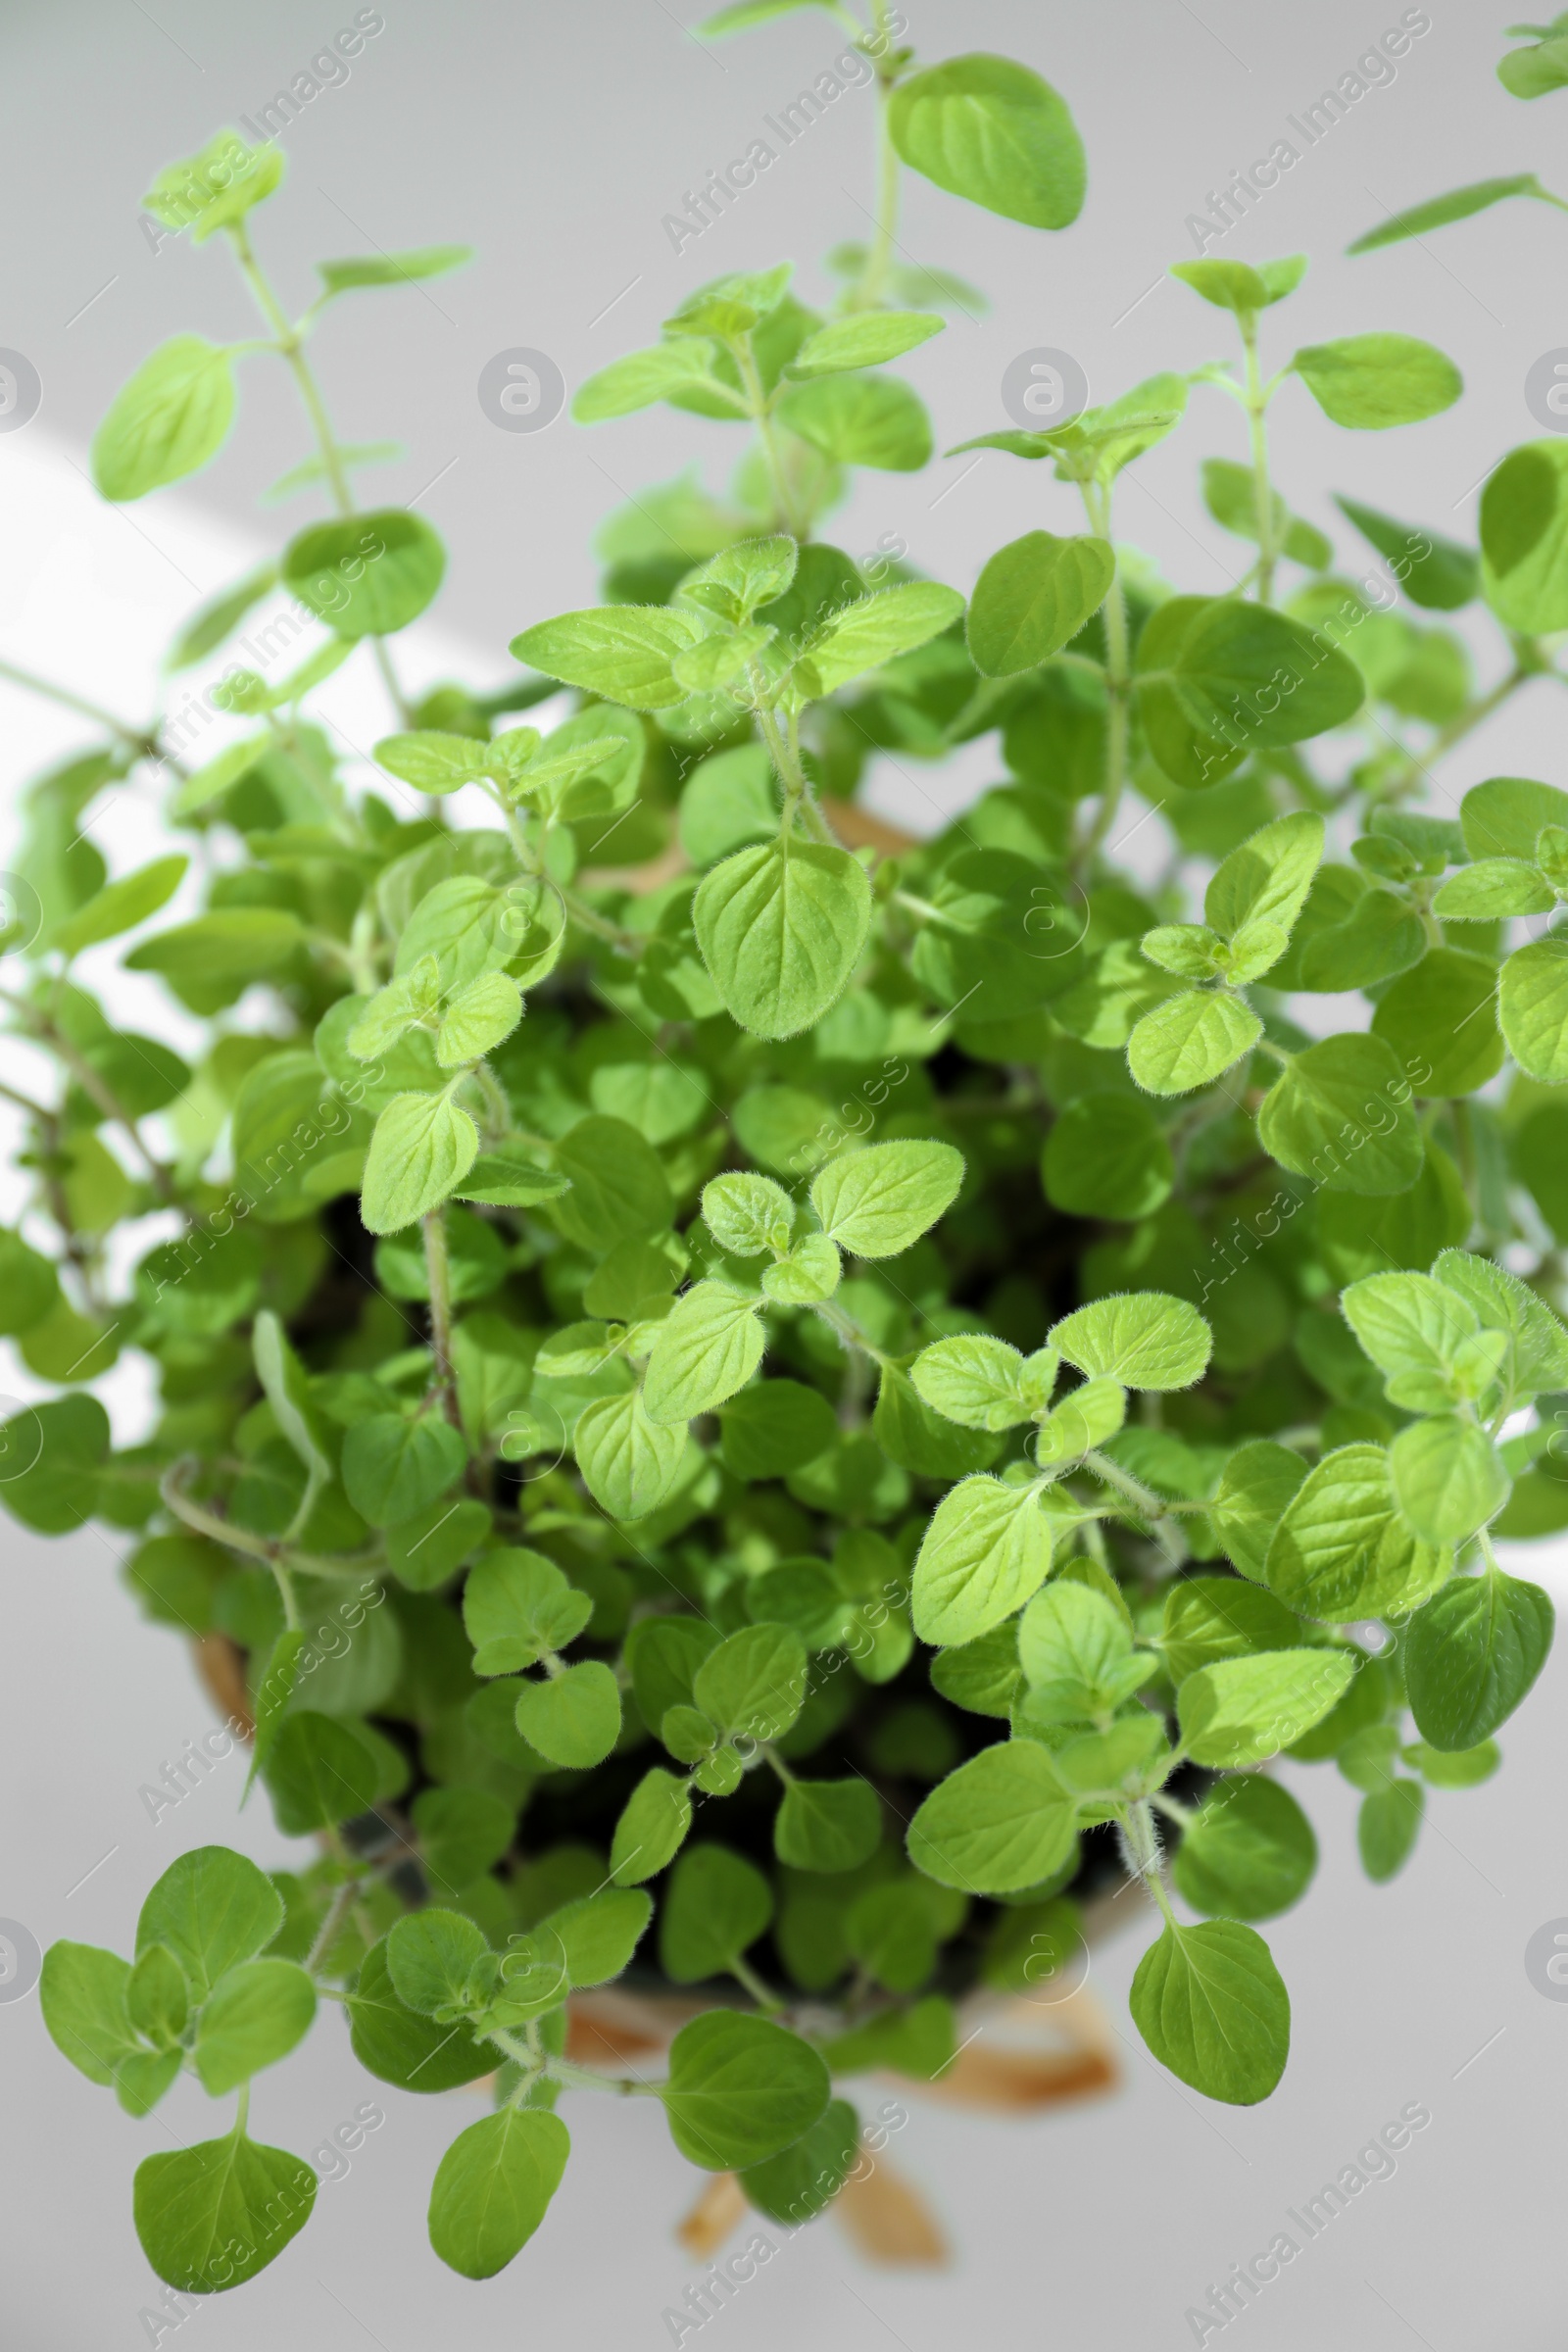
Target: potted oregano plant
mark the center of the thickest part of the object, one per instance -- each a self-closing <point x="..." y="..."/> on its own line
<point x="759" y="1411"/>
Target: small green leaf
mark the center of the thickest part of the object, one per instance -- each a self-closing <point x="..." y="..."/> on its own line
<point x="878" y="1202"/>
<point x="781" y="928"/>
<point x="1144" y="1340"/>
<point x="82" y="1990"/>
<point x="629" y="1461"/>
<point x="392" y="268"/>
<point x="802" y="2182"/>
<point x="1244" y="1709"/>
<point x="829" y="1826"/>
<point x="493" y="2188"/>
<point x="423" y="1147"/>
<point x="1533" y="1008"/>
<point x="869" y="339"/>
<point x="516" y="1605"/>
<point x="121" y="906"/>
<point x="985" y="1549"/>
<point x="1032" y="596"/>
<point x="774" y="1427"/>
<point x="1472" y="1655"/>
<point x="429" y="1955"/>
<point x="741" y="2089"/>
<point x="1387" y="1827"/>
<point x="1212" y="2007"/>
<point x="1372" y="381"/>
<point x="1248" y="1852"/>
<point x="652" y="1828"/>
<point x="210" y="2215"/>
<point x="753" y="1686"/>
<point x="643" y="378"/>
<point x="1107" y="1156"/>
<point x="1003" y="1821"/>
<point x="393" y="1468"/>
<point x="978" y="1381"/>
<point x="716" y="1905"/>
<point x="399" y="2044"/>
<point x="707" y="1347"/>
<point x="319" y="1773"/>
<point x="1190" y="1041"/>
<point x="1524" y="540"/>
<point x="1436" y="574"/>
<point x="1449" y="1477"/>
<point x="992" y="132"/>
<point x="1340" y="1112"/>
<point x="1343" y="1550"/>
<point x="622" y="652"/>
<point x="1445" y="1014"/>
<point x="253" y="2017"/>
<point x="620" y="1191"/>
<point x="368" y="576"/>
<point x="874" y="629"/>
<point x="1457" y="205"/>
<point x="170" y="419"/>
<point x="574" y="1718"/>
<point x="212" y="1909"/>
<point x="873" y="421"/>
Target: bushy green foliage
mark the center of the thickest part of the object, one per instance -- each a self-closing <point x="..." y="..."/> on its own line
<point x="837" y="1396"/>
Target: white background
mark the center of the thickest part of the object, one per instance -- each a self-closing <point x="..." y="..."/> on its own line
<point x="556" y="140"/>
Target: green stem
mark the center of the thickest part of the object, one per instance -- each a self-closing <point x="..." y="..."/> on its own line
<point x="583" y="2078"/>
<point x="142" y="740"/>
<point x="784" y="507"/>
<point x="1145" y="1501"/>
<point x="48" y="1032"/>
<point x="242" y="2111"/>
<point x="325" y="1935"/>
<point x="1456" y="731"/>
<point x="498" y="1108"/>
<point x="1256" y="404"/>
<point x="1118" y="689"/>
<point x="879" y="260"/>
<point x="747" y="1976"/>
<point x="438" y="1271"/>
<point x="848" y="1330"/>
<point x="630" y="943"/>
<point x="289" y="344"/>
<point x="285" y="1590"/>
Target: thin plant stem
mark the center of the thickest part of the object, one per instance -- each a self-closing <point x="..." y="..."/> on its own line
<point x="289" y="344"/>
<point x="1256" y="404"/>
<point x="438" y="1270"/>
